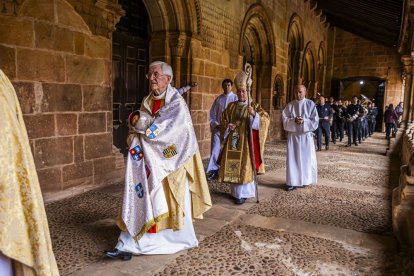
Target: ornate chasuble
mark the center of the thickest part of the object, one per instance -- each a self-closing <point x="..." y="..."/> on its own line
<point x="156" y="105"/>
<point x="158" y="164"/>
<point x="235" y="164"/>
<point x="24" y="231"/>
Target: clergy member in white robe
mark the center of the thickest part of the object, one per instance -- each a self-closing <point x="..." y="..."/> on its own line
<point x="300" y="120"/>
<point x="165" y="183"/>
<point x="219" y="105"/>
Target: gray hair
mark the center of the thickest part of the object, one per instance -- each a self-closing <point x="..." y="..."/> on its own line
<point x="299" y="86"/>
<point x="165" y="68"/>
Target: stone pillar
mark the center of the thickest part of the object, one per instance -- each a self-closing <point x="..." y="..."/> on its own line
<point x="177" y="43"/>
<point x="322" y="86"/>
<point x="402" y="210"/>
<point x="408" y="88"/>
<point x="299" y="67"/>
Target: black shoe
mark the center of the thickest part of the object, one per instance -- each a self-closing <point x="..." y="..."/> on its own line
<point x="356" y="144"/>
<point x="348" y="145"/>
<point x="290" y="188"/>
<point x="334" y="142"/>
<point x="213" y="175"/>
<point x="117" y="254"/>
<point x="318" y="150"/>
<point x="327" y="147"/>
<point x="240" y="200"/>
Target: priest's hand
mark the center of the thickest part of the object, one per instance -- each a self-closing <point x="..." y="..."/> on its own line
<point x="231" y="126"/>
<point x="252" y="111"/>
<point x="299" y="120"/>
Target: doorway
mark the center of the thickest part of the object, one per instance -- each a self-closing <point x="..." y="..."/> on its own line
<point x="371" y="88"/>
<point x="129" y="65"/>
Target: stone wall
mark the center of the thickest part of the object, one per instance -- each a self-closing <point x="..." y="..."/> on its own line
<point x="403" y="195"/>
<point x="355" y="56"/>
<point x="216" y="53"/>
<point x="61" y="73"/>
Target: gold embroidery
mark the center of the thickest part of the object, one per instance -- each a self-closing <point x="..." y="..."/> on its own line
<point x="170" y="151"/>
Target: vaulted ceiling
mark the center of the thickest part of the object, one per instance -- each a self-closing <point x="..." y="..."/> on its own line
<point x="376" y="20"/>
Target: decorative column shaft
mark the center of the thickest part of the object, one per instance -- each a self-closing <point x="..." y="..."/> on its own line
<point x="407" y="61"/>
<point x="177" y="44"/>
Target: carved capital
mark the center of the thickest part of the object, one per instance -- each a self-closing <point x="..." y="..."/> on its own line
<point x="177" y="44"/>
<point x="10" y="7"/>
<point x="111" y="11"/>
<point x="407" y="61"/>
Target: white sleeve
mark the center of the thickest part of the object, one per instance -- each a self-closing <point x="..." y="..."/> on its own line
<point x="289" y="121"/>
<point x="311" y="123"/>
<point x="255" y="122"/>
<point x="214" y="121"/>
<point x="184" y="89"/>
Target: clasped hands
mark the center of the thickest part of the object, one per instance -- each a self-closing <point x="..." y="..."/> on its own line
<point x="299" y="120"/>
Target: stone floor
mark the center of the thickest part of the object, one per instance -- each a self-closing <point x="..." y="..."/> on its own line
<point x="342" y="226"/>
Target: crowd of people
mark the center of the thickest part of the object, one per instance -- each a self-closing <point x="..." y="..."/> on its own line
<point x="165" y="182"/>
<point x="356" y="119"/>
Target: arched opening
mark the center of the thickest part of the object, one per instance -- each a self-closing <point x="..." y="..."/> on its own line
<point x="130" y="59"/>
<point x="372" y="88"/>
<point x="295" y="51"/>
<point x="320" y="85"/>
<point x="257" y="48"/>
<point x="278" y="94"/>
<point x="308" y="71"/>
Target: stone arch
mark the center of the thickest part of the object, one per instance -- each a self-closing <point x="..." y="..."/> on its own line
<point x="194" y="18"/>
<point x="158" y="12"/>
<point x="172" y="24"/>
<point x="257" y="46"/>
<point x="321" y="70"/>
<point x="174" y="16"/>
<point x="278" y="92"/>
<point x="295" y="51"/>
<point x="59" y="12"/>
<point x="308" y="72"/>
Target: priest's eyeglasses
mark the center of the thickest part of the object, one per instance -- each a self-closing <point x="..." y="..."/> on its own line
<point x="155" y="74"/>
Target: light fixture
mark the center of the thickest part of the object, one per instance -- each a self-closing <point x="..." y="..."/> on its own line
<point x="361" y="82"/>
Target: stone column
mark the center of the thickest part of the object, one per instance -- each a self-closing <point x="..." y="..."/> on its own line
<point x="299" y="62"/>
<point x="407" y="61"/>
<point x="322" y="85"/>
<point x="177" y="43"/>
<point x="408" y="70"/>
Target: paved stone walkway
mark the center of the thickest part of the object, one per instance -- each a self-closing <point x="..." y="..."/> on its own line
<point x="342" y="226"/>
